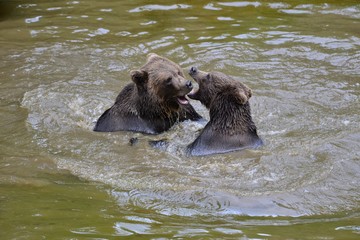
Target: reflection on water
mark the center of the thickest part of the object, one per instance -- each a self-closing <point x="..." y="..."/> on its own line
<point x="301" y="60"/>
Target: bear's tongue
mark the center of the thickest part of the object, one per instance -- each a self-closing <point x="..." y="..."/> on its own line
<point x="182" y="100"/>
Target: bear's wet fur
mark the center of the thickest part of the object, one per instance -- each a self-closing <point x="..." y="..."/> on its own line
<point x="231" y="126"/>
<point x="153" y="102"/>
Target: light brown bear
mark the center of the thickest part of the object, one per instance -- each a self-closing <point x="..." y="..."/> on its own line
<point x="230" y="127"/>
<point x="153" y="102"/>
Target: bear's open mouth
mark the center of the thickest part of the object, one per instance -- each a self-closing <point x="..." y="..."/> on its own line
<point x="193" y="93"/>
<point x="182" y="100"/>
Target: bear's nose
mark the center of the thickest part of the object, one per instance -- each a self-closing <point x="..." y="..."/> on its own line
<point x="193" y="70"/>
<point x="189" y="84"/>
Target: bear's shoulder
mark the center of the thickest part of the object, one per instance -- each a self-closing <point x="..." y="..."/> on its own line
<point x="212" y="141"/>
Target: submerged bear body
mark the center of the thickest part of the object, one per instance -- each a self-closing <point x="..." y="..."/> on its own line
<point x="231" y="126"/>
<point x="153" y="102"/>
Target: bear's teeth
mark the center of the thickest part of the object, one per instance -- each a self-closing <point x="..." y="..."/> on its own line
<point x="193" y="91"/>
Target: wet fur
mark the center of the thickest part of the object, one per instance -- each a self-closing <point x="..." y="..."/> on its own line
<point x="231" y="126"/>
<point x="149" y="104"/>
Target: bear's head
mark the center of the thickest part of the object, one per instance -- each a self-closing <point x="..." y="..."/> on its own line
<point x="211" y="84"/>
<point x="164" y="80"/>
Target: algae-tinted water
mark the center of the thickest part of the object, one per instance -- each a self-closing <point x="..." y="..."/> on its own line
<point x="63" y="63"/>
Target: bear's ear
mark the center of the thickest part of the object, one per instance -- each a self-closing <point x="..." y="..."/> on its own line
<point x="248" y="91"/>
<point x="245" y="94"/>
<point x="139" y="77"/>
<point x="152" y="56"/>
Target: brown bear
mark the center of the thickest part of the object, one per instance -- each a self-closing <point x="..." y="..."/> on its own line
<point x="230" y="127"/>
<point x="153" y="102"/>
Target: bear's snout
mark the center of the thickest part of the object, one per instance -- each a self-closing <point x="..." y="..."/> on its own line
<point x="189" y="84"/>
<point x="193" y="70"/>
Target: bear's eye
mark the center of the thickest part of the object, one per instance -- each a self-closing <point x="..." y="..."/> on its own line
<point x="168" y="80"/>
<point x="208" y="76"/>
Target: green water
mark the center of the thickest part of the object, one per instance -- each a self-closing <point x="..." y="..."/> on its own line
<point x="64" y="62"/>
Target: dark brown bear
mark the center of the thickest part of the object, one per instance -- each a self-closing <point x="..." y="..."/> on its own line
<point x="230" y="127"/>
<point x="153" y="103"/>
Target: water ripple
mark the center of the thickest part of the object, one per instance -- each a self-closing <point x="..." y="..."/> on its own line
<point x="240" y="4"/>
<point x="304" y="104"/>
<point x="156" y="7"/>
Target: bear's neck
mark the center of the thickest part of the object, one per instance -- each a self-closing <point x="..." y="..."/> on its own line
<point x="232" y="118"/>
<point x="150" y="107"/>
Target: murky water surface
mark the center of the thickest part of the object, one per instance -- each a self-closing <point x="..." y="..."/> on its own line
<point x="64" y="62"/>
